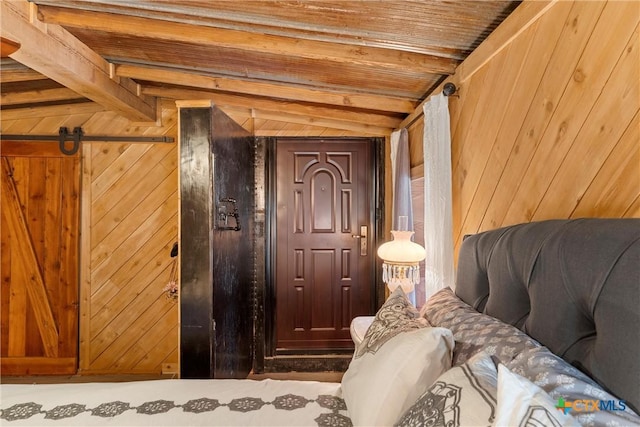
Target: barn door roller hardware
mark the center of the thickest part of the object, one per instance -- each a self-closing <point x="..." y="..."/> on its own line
<point x="78" y="136"/>
<point x="63" y="133"/>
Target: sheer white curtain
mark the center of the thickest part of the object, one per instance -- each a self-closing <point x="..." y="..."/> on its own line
<point x="438" y="233"/>
<point x="401" y="178"/>
<point x="401" y="183"/>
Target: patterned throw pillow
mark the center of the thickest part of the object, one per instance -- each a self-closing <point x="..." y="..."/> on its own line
<point x="522" y="403"/>
<point x="474" y="331"/>
<point x="566" y="385"/>
<point x="398" y="359"/>
<point x="463" y="396"/>
<point x="396" y="315"/>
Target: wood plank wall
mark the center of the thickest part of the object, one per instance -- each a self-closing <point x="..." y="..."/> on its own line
<point x="548" y="127"/>
<point x="129" y="223"/>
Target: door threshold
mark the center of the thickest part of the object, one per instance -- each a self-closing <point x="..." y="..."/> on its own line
<point x="308" y="363"/>
<point x="314" y="352"/>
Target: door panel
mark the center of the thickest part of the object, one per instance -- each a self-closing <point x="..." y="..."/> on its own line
<point x="323" y="279"/>
<point x="40" y="220"/>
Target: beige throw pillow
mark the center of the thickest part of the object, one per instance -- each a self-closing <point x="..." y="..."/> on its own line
<point x="398" y="360"/>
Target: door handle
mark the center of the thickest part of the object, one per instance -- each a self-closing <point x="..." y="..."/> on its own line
<point x="363" y="239"/>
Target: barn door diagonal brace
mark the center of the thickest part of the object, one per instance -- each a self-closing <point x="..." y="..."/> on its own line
<point x="78" y="136"/>
<point x="28" y="262"/>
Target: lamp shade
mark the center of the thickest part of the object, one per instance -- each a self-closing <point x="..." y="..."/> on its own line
<point x="401" y="257"/>
<point x="401" y="249"/>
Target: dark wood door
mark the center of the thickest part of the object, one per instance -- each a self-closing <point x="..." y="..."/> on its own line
<point x="323" y="259"/>
<point x="39" y="262"/>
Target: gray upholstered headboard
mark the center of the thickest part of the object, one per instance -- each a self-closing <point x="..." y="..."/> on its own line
<point x="573" y="285"/>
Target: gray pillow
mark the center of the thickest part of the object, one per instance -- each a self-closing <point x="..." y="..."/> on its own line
<point x="474" y="331"/>
<point x="566" y="384"/>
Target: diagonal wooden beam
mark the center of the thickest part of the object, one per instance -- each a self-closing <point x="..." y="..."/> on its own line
<point x="12" y="212"/>
<point x="56" y="53"/>
<point x="244" y="40"/>
<point x="226" y="84"/>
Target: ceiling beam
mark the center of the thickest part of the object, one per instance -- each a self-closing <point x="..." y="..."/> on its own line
<point x="245" y="117"/>
<point x="248" y="41"/>
<point x="287" y="111"/>
<point x="226" y="84"/>
<point x="56" y="53"/>
<point x="7" y="47"/>
<point x="296" y="108"/>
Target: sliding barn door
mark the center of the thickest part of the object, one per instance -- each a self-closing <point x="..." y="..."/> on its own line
<point x="39" y="261"/>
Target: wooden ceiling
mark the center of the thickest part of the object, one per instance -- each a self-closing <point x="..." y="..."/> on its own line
<point x="361" y="61"/>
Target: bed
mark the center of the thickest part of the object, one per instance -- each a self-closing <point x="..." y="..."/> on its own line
<point x="175" y="403"/>
<point x="541" y="328"/>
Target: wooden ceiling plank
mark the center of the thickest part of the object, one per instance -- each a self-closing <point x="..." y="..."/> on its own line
<point x="249" y="41"/>
<point x="22" y="75"/>
<point x="225" y="84"/>
<point x="378" y="120"/>
<point x="440" y="28"/>
<point x="53" y="110"/>
<point x="45" y="95"/>
<point x="320" y="122"/>
<point x="54" y="52"/>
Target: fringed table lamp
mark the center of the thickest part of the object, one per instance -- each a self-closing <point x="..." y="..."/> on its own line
<point x="401" y="258"/>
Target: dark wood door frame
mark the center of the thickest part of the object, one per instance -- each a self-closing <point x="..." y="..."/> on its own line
<point x="264" y="303"/>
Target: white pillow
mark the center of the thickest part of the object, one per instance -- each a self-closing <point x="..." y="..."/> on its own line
<point x="359" y="327"/>
<point x="522" y="403"/>
<point x="398" y="360"/>
<point x="465" y="395"/>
